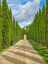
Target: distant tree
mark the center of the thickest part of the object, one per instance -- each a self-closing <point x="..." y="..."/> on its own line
<point x="14" y="34"/>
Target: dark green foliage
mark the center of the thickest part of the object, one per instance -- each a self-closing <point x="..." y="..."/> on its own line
<point x="43" y="25"/>
<point x="19" y="33"/>
<point x="24" y="31"/>
<point x="10" y="26"/>
<point x="5" y="25"/>
<point x="0" y="26"/>
<point x="40" y="22"/>
<point x="47" y="23"/>
<point x="14" y="34"/>
<point x="38" y="29"/>
<point x="10" y="31"/>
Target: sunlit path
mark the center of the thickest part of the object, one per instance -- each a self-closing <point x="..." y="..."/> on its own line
<point x="21" y="53"/>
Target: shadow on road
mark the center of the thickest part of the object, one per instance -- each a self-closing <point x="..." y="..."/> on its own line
<point x="13" y="60"/>
<point x="27" y="56"/>
<point x="26" y="48"/>
<point x="22" y="53"/>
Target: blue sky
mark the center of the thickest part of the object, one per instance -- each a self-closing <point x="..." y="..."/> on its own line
<point x="24" y="10"/>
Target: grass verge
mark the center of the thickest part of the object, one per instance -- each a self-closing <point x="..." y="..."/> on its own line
<point x="42" y="50"/>
<point x="4" y="49"/>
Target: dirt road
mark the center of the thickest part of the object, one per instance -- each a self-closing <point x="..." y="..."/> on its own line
<point x="21" y="53"/>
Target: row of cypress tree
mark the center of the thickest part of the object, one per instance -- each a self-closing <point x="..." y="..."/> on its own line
<point x="10" y="31"/>
<point x="38" y="29"/>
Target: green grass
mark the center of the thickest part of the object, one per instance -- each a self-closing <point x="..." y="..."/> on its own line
<point x="42" y="50"/>
<point x="3" y="49"/>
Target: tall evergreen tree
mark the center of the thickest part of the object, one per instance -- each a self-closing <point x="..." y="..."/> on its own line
<point x="43" y="24"/>
<point x="10" y="27"/>
<point x="10" y="31"/>
<point x="39" y="27"/>
<point x="16" y="30"/>
<point x="40" y="20"/>
<point x="14" y="34"/>
<point x="5" y="25"/>
<point x="47" y="23"/>
<point x="0" y="24"/>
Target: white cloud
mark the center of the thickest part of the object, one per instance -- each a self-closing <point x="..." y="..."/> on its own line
<point x="24" y="24"/>
<point x="11" y="5"/>
<point x="25" y="13"/>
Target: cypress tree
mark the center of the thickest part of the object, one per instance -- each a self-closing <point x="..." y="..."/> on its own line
<point x="10" y="27"/>
<point x="47" y="23"/>
<point x="0" y="25"/>
<point x="40" y="20"/>
<point x="10" y="31"/>
<point x="38" y="29"/>
<point x="19" y="32"/>
<point x="14" y="30"/>
<point x="43" y="24"/>
<point x="5" y="25"/>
